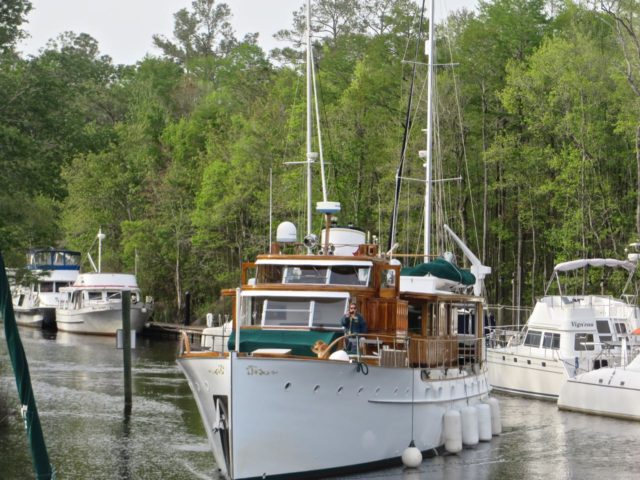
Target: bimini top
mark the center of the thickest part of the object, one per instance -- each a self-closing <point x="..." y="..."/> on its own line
<point x="594" y="262"/>
<point x="53" y="259"/>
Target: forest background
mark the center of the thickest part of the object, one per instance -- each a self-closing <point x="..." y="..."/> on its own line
<point x="538" y="114"/>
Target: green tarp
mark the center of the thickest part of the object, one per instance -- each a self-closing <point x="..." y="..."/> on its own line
<point x="442" y="269"/>
<point x="299" y="341"/>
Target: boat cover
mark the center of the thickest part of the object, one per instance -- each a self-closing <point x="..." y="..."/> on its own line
<point x="594" y="262"/>
<point x="442" y="269"/>
<point x="299" y="341"/>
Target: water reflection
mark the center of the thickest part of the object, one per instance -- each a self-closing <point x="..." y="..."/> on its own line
<point x="78" y="382"/>
<point x="79" y="386"/>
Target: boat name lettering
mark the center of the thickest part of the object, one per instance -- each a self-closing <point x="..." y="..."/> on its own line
<point x="253" y="370"/>
<point x="581" y="325"/>
<point x="219" y="370"/>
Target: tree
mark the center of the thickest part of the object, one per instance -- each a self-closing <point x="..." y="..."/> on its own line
<point x="203" y="33"/>
<point x="12" y="15"/>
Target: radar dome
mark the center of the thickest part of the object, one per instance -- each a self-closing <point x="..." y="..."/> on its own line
<point x="286" y="233"/>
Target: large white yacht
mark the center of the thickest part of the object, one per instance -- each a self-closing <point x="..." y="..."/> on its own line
<point x="52" y="269"/>
<point x="289" y="393"/>
<point x="566" y="335"/>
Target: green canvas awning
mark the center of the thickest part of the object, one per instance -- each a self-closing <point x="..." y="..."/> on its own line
<point x="299" y="341"/>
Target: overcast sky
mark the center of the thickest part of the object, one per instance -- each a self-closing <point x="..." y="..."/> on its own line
<point x="124" y="28"/>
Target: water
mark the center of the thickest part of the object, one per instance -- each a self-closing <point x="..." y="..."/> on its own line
<point x="78" y="383"/>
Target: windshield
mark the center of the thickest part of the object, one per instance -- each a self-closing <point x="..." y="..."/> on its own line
<point x="293" y="311"/>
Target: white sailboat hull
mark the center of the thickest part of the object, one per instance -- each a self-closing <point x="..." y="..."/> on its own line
<point x="103" y="320"/>
<point x="294" y="417"/>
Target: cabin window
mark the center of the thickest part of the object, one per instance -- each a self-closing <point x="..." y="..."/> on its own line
<point x="71" y="258"/>
<point x="46" y="287"/>
<point x="286" y="312"/>
<point x="551" y="340"/>
<point x="58" y="258"/>
<point x="20" y="300"/>
<point x="349" y="275"/>
<point x="95" y="295"/>
<point x="294" y="311"/>
<point x="388" y="278"/>
<point x="621" y="328"/>
<point x="42" y="258"/>
<point x="113" y="296"/>
<point x="306" y="274"/>
<point x="533" y="338"/>
<point x="604" y="332"/>
<point x="583" y="341"/>
<point x="60" y="285"/>
<point x="269" y="274"/>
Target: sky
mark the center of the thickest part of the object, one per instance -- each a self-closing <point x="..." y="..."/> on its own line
<point x="124" y="28"/>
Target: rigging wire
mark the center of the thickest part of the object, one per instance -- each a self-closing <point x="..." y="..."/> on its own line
<point x="405" y="140"/>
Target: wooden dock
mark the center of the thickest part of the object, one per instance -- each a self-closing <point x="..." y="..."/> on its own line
<point x="170" y="330"/>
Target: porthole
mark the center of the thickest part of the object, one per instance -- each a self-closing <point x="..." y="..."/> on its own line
<point x="503" y="357"/>
<point x="316" y="389"/>
<point x="515" y="359"/>
<point x="360" y="390"/>
<point x="544" y="364"/>
<point x="287" y="386"/>
<point x="528" y="362"/>
<point x="340" y="388"/>
<point x="622" y="383"/>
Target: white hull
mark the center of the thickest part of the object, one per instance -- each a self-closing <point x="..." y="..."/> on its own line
<point x="611" y="392"/>
<point x="532" y="376"/>
<point x="99" y="321"/>
<point x="29" y="317"/>
<point x="321" y="415"/>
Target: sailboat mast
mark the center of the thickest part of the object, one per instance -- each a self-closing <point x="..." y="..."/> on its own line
<point x="309" y="118"/>
<point x="429" y="153"/>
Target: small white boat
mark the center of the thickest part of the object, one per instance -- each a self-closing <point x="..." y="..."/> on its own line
<point x="611" y="392"/>
<point x="52" y="269"/>
<point x="93" y="304"/>
<point x="566" y="335"/>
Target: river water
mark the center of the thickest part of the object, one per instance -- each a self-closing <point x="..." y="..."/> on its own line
<point x="78" y="384"/>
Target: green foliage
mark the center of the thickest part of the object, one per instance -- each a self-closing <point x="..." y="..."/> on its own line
<point x="172" y="157"/>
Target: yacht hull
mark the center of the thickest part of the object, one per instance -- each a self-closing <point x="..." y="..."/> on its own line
<point x="527" y="375"/>
<point x="298" y="417"/>
<point x="99" y="321"/>
<point x="29" y="317"/>
<point x="608" y="392"/>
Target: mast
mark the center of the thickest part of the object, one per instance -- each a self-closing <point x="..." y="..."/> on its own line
<point x="429" y="152"/>
<point x="309" y="118"/>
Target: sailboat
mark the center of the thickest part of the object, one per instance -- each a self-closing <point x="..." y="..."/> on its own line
<point x="284" y="395"/>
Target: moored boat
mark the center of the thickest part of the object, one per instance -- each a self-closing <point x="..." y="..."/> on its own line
<point x="93" y="304"/>
<point x="566" y="335"/>
<point x="52" y="269"/>
<point x="610" y="392"/>
<point x="290" y="393"/>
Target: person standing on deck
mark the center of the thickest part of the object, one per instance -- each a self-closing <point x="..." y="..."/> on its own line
<point x="353" y="324"/>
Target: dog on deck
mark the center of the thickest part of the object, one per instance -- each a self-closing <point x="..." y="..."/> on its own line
<point x="320" y="348"/>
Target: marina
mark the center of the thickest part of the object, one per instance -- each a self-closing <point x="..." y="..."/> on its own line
<point x="78" y="386"/>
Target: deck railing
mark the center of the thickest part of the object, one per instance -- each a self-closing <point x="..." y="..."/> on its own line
<point x="385" y="350"/>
